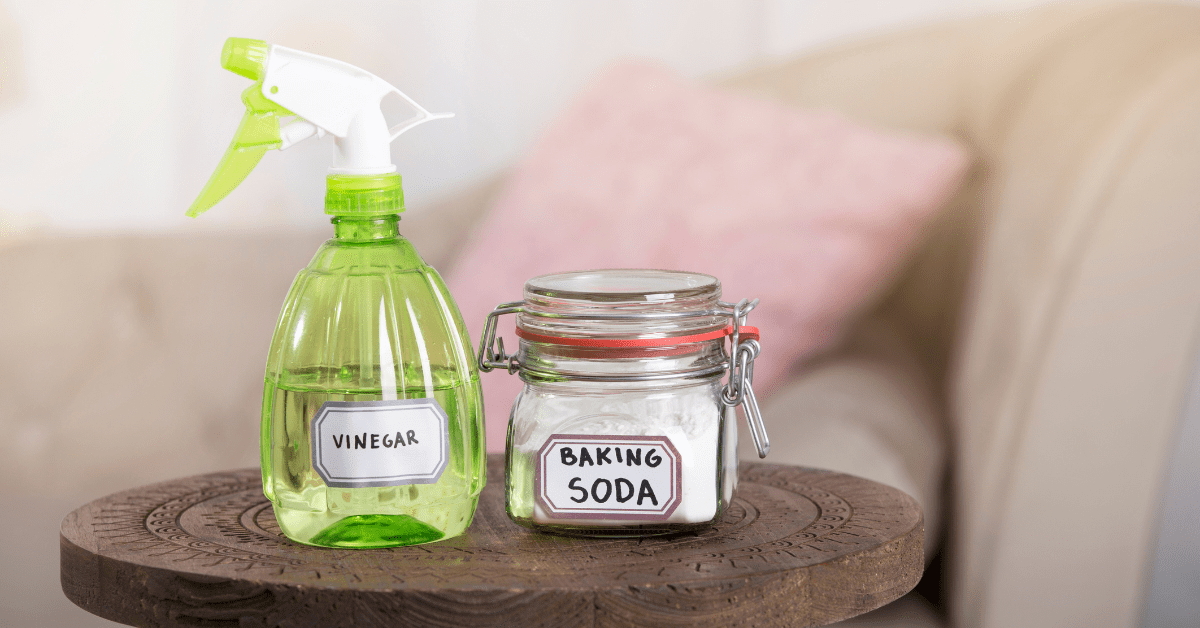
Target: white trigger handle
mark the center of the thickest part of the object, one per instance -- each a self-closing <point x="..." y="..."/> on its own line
<point x="422" y="116"/>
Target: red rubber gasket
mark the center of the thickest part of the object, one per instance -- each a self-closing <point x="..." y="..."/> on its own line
<point x="746" y="332"/>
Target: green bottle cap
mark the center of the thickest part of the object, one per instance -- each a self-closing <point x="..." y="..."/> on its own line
<point x="363" y="194"/>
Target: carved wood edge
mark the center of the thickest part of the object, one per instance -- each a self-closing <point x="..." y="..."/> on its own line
<point x="798" y="547"/>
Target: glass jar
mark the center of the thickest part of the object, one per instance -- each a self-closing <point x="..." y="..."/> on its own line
<point x="625" y="426"/>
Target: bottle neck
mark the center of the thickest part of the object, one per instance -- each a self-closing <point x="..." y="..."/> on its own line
<point x="366" y="229"/>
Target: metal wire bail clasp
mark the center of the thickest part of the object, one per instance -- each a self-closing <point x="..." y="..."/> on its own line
<point x="740" y="388"/>
<point x="491" y="349"/>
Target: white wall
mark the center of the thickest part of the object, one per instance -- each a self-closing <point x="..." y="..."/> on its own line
<point x="113" y="114"/>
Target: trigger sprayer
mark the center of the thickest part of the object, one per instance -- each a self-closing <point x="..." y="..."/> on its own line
<point x="372" y="415"/>
<point x="297" y="95"/>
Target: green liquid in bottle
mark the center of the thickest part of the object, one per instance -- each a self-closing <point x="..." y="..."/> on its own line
<point x="311" y="512"/>
<point x="368" y="321"/>
<point x="368" y="531"/>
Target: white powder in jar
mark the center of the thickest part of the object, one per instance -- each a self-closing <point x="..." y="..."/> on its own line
<point x="690" y="416"/>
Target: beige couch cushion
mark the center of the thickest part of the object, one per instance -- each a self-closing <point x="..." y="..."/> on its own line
<point x="1083" y="327"/>
<point x="868" y="410"/>
<point x="139" y="357"/>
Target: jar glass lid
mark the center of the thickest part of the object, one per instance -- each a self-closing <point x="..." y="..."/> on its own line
<point x="622" y="303"/>
<point x="624" y="286"/>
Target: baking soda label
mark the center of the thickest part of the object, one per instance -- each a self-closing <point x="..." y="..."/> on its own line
<point x="601" y="477"/>
<point x="380" y="443"/>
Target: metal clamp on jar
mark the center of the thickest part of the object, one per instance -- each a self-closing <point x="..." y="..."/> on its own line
<point x="624" y="426"/>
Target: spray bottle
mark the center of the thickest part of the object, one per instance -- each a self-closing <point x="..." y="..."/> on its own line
<point x="372" y="420"/>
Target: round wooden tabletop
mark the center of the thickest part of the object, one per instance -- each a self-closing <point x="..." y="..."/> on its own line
<point x="798" y="547"/>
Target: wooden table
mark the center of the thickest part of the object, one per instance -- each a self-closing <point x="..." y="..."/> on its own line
<point x="798" y="547"/>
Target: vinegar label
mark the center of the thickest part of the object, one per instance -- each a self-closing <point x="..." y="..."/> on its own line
<point x="601" y="477"/>
<point x="380" y="443"/>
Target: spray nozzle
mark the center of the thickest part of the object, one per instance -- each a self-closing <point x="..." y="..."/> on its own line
<point x="245" y="57"/>
<point x="320" y="95"/>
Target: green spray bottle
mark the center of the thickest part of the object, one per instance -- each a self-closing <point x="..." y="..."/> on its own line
<point x="372" y="420"/>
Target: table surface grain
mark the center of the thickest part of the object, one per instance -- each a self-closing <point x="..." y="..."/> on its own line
<point x="797" y="547"/>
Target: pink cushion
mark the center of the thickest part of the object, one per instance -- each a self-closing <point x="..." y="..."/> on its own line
<point x="807" y="211"/>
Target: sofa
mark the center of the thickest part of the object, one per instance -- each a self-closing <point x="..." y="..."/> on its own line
<point x="1027" y="373"/>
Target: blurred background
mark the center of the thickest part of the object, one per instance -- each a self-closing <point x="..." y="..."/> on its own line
<point x="130" y="100"/>
<point x="1028" y="372"/>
